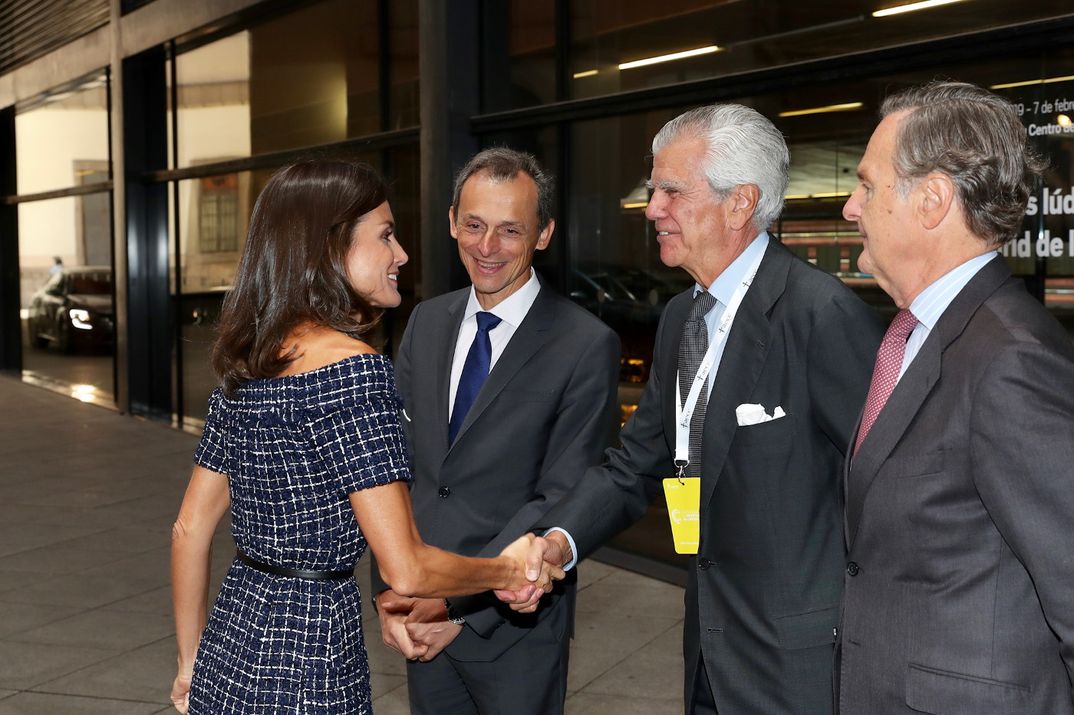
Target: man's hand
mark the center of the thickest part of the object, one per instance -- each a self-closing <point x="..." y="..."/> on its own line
<point x="545" y="555"/>
<point x="393" y="610"/>
<point x="428" y="625"/>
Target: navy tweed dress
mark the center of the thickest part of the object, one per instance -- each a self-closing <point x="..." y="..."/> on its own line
<point x="293" y="448"/>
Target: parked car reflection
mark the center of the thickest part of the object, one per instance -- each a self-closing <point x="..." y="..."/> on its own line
<point x="630" y="300"/>
<point x="73" y="310"/>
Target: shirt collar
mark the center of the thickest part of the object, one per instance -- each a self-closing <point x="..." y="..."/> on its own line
<point x="723" y="288"/>
<point x="512" y="309"/>
<point x="930" y="303"/>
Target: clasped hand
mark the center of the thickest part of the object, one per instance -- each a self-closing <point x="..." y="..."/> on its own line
<point x="543" y="556"/>
<point x="419" y="628"/>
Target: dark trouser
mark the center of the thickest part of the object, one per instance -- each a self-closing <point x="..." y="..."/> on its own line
<point x="528" y="678"/>
<point x="702" y="702"/>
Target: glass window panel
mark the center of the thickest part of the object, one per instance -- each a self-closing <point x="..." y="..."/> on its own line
<point x="307" y="78"/>
<point x="520" y="57"/>
<point x="741" y="35"/>
<point x="61" y="141"/>
<point x="213" y="92"/>
<point x="65" y="276"/>
<point x="403" y="82"/>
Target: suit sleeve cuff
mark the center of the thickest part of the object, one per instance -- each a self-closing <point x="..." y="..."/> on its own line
<point x="570" y="540"/>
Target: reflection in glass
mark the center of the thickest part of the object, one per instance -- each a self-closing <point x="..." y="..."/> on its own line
<point x="306" y="78"/>
<point x="212" y="215"/>
<point x="624" y="46"/>
<point x="65" y="267"/>
<point x="213" y="90"/>
<point x="520" y="55"/>
<point x="61" y="140"/>
<point x="403" y="81"/>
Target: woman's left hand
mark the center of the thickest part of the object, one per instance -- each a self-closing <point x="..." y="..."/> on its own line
<point x="181" y="691"/>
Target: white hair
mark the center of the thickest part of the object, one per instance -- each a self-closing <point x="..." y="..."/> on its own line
<point x="742" y="147"/>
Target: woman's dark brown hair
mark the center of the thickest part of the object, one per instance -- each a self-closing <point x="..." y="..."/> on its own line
<point x="293" y="268"/>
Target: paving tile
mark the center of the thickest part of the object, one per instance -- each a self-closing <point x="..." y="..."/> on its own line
<point x="158" y="600"/>
<point x="625" y="592"/>
<point x="25" y="665"/>
<point x="596" y="704"/>
<point x="17" y="537"/>
<point x="113" y="630"/>
<point x="16" y="617"/>
<point x="51" y="704"/>
<point x="81" y="590"/>
<point x="653" y="671"/>
<point x="392" y="702"/>
<point x="590" y="572"/>
<point x="602" y="641"/>
<point x="129" y="540"/>
<point x="144" y="675"/>
<point x="65" y="560"/>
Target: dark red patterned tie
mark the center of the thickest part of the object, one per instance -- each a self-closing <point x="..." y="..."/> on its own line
<point x="886" y="373"/>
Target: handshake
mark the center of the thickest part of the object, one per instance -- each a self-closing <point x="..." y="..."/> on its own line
<point x="419" y="628"/>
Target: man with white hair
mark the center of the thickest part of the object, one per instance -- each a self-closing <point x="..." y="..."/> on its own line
<point x="758" y="375"/>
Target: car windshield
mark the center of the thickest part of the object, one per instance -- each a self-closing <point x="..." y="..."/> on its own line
<point x="90" y="283"/>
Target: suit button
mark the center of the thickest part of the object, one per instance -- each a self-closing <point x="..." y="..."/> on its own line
<point x="703" y="564"/>
<point x="852" y="568"/>
<point x="444" y="492"/>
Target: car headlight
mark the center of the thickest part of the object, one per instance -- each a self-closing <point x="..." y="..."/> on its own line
<point x="80" y="318"/>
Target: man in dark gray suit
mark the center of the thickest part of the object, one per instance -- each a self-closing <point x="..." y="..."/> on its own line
<point x="490" y="455"/>
<point x="960" y="496"/>
<point x="763" y="592"/>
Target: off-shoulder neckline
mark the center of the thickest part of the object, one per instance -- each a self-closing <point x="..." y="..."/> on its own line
<point x="317" y="370"/>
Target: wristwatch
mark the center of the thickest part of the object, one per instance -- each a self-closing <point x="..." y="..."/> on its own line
<point x="452" y="615"/>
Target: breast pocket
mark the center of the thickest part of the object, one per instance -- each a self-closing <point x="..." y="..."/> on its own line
<point x="931" y="690"/>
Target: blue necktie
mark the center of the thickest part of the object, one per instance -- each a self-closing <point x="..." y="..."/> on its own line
<point x="474" y="372"/>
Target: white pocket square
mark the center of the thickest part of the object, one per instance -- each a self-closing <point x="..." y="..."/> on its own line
<point x="750" y="414"/>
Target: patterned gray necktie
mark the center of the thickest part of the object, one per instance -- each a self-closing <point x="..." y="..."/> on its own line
<point x="692" y="348"/>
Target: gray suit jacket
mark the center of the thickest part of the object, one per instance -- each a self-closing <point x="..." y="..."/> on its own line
<point x="547" y="410"/>
<point x="763" y="592"/>
<point x="960" y="520"/>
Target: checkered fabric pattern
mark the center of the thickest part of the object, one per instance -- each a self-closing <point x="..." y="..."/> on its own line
<point x="886" y="371"/>
<point x="293" y="448"/>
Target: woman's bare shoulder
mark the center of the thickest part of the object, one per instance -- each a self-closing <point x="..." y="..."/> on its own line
<point x="319" y="347"/>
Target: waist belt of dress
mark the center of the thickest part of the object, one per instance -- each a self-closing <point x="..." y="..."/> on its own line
<point x="294" y="573"/>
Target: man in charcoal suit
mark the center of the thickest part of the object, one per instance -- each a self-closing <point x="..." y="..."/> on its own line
<point x="767" y="433"/>
<point x="960" y="492"/>
<point x="511" y="392"/>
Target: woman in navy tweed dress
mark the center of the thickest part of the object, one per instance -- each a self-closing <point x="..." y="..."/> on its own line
<point x="303" y="443"/>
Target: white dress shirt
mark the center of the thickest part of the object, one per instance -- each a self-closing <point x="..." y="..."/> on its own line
<point x="511" y="312"/>
<point x="930" y="304"/>
<point x="723" y="288"/>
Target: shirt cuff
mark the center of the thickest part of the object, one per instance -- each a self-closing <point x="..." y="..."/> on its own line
<point x="574" y="549"/>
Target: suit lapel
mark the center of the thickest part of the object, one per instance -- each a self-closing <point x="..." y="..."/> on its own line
<point x="741" y="365"/>
<point x="527" y="340"/>
<point x="446" y="354"/>
<point x="913" y="390"/>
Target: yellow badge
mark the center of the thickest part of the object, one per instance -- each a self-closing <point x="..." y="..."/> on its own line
<point x="684" y="510"/>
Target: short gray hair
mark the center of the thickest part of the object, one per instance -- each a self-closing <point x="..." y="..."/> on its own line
<point x="743" y="147"/>
<point x="503" y="164"/>
<point x="975" y="138"/>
